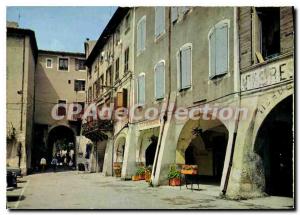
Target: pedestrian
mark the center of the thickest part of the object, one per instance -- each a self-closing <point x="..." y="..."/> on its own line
<point x="70" y="164"/>
<point x="43" y="164"/>
<point x="86" y="165"/>
<point x="54" y="163"/>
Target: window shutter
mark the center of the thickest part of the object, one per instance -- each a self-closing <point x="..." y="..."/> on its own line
<point x="221" y="50"/>
<point x="139" y="39"/>
<point x="143" y="36"/>
<point x="119" y="99"/>
<point x="186" y="68"/>
<point x="174" y="14"/>
<point x="141" y="90"/>
<point x="159" y="81"/>
<point x="212" y="42"/>
<point x="76" y="64"/>
<point x="159" y="20"/>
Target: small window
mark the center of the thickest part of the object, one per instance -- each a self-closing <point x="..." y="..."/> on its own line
<point x="218" y="50"/>
<point x="117" y="36"/>
<point x="108" y="77"/>
<point x="61" y="111"/>
<point x="141" y="90"/>
<point x="141" y="35"/>
<point x="159" y="72"/>
<point x="185" y="67"/>
<point x="127" y="23"/>
<point x="79" y="85"/>
<point x="48" y="63"/>
<point x="63" y="64"/>
<point x="178" y="13"/>
<point x="79" y="64"/>
<point x="159" y="21"/>
<point x="90" y="96"/>
<point x="117" y="66"/>
<point x="126" y="60"/>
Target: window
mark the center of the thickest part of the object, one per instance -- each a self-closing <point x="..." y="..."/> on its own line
<point x="117" y="36"/>
<point x="178" y="13"/>
<point x="141" y="35"/>
<point x="127" y="23"/>
<point x="159" y="72"/>
<point x="48" y="63"/>
<point x="117" y="66"/>
<point x="185" y="66"/>
<point x="174" y="14"/>
<point x="266" y="32"/>
<point x="126" y="60"/>
<point x="89" y="73"/>
<point x="61" y="111"/>
<point x="141" y="90"/>
<point x="108" y="77"/>
<point x="90" y="96"/>
<point x="79" y="85"/>
<point x="218" y="49"/>
<point x="122" y="97"/>
<point x="159" y="21"/>
<point x="95" y="93"/>
<point x="63" y="64"/>
<point x="79" y="64"/>
<point x="101" y="83"/>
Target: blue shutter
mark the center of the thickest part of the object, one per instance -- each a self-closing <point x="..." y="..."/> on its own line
<point x="159" y="80"/>
<point x="143" y="34"/>
<point x="222" y="50"/>
<point x="141" y="90"/>
<point x="159" y="20"/>
<point x="212" y="52"/>
<point x="186" y="68"/>
<point x="174" y="14"/>
<point x="138" y="37"/>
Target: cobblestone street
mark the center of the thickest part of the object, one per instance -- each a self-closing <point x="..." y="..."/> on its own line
<point x="74" y="190"/>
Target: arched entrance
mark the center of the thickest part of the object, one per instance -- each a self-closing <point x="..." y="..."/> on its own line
<point x="203" y="143"/>
<point x="150" y="151"/>
<point x="274" y="144"/>
<point x="61" y="143"/>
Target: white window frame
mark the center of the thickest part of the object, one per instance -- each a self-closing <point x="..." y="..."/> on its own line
<point x="137" y="26"/>
<point x="49" y="67"/>
<point x="68" y="64"/>
<point x="164" y="90"/>
<point x="78" y="79"/>
<point x="212" y="29"/>
<point x="164" y="22"/>
<point x="138" y="90"/>
<point x="186" y="45"/>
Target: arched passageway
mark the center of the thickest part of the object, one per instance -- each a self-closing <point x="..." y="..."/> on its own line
<point x="61" y="144"/>
<point x="150" y="151"/>
<point x="274" y="144"/>
<point x="203" y="143"/>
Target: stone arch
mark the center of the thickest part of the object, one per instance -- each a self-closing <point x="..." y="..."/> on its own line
<point x="119" y="146"/>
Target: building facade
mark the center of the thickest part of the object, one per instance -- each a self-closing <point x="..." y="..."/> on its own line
<point x="21" y="52"/>
<point x="59" y="79"/>
<point x="229" y="71"/>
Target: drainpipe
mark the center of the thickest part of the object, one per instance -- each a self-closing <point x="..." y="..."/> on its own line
<point x="168" y="97"/>
<point x="237" y="85"/>
<point x="22" y="91"/>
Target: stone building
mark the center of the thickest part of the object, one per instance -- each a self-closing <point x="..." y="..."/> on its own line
<point x="232" y="69"/>
<point x="109" y="83"/>
<point x="22" y="53"/>
<point x="59" y="79"/>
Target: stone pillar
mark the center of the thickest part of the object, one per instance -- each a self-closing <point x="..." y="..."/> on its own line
<point x="129" y="160"/>
<point x="107" y="164"/>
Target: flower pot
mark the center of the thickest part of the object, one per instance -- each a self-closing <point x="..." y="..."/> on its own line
<point x="189" y="171"/>
<point x="174" y="182"/>
<point x="135" y="178"/>
<point x="142" y="177"/>
<point x="117" y="172"/>
<point x="147" y="176"/>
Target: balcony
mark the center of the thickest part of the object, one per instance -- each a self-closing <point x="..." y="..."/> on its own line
<point x="96" y="130"/>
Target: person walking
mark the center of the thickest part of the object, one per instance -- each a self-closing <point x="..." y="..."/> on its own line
<point x="43" y="164"/>
<point x="54" y="163"/>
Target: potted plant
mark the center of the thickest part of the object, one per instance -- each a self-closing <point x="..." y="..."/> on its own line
<point x="189" y="169"/>
<point x="174" y="176"/>
<point x="148" y="171"/>
<point x="141" y="172"/>
<point x="135" y="178"/>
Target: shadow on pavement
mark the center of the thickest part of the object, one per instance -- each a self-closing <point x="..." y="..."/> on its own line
<point x="14" y="198"/>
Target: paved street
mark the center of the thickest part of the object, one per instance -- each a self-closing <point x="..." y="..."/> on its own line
<point x="74" y="190"/>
